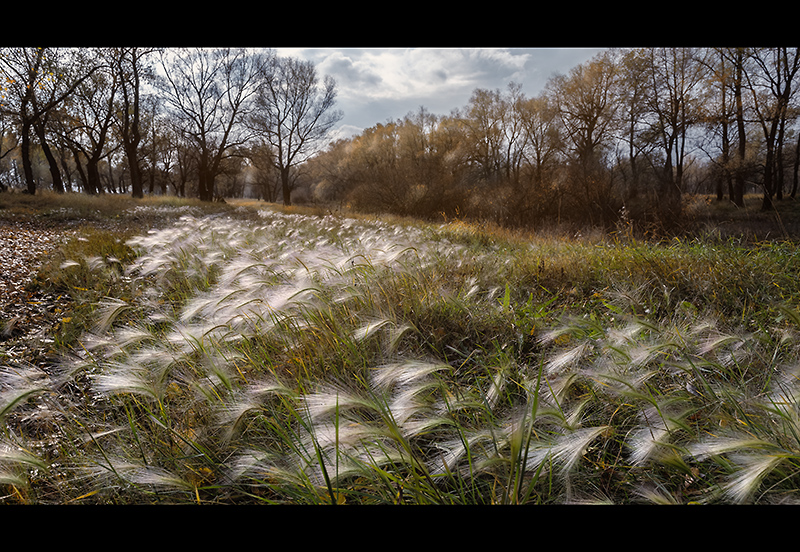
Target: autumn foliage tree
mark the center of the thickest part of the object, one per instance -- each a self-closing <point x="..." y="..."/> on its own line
<point x="36" y="82"/>
<point x="587" y="109"/>
<point x="627" y="134"/>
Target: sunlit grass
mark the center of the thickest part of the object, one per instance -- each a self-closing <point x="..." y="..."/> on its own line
<point x="299" y="357"/>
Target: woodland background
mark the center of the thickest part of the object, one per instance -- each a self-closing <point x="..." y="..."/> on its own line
<point x="627" y="136"/>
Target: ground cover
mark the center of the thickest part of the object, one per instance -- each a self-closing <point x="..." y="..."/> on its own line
<point x="240" y="353"/>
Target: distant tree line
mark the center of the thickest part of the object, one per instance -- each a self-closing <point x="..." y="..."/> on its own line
<point x="627" y="134"/>
<point x="193" y="122"/>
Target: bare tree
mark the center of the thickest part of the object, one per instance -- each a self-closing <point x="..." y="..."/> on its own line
<point x="542" y="138"/>
<point x="262" y="169"/>
<point x="8" y="144"/>
<point x="131" y="67"/>
<point x="294" y="114"/>
<point x="772" y="87"/>
<point x="632" y="89"/>
<point x="675" y="76"/>
<point x="210" y="92"/>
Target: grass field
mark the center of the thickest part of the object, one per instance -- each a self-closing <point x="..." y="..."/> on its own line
<point x="243" y="353"/>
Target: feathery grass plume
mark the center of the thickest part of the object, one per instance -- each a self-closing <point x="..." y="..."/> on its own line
<point x="369" y="329"/>
<point x="112" y="471"/>
<point x="567" y="359"/>
<point x="734" y="442"/>
<point x="782" y="395"/>
<point x="621" y="338"/>
<point x="350" y="432"/>
<point x="750" y="471"/>
<point x="564" y="450"/>
<point x="15" y="460"/>
<point x="644" y="354"/>
<point x="719" y="340"/>
<point x="98" y="435"/>
<point x="412" y="409"/>
<point x="501" y="447"/>
<point x="659" y="426"/>
<point x="630" y="387"/>
<point x="346" y="433"/>
<point x="132" y="335"/>
<point x="732" y="355"/>
<point x="135" y="375"/>
<point x="253" y="398"/>
<point x="214" y="373"/>
<point x="109" y="310"/>
<point x="342" y="446"/>
<point x="581" y="329"/>
<point x="19" y="384"/>
<point x="330" y="399"/>
<point x="12" y="478"/>
<point x="273" y="478"/>
<point x="395" y="337"/>
<point x="467" y="454"/>
<point x="656" y="496"/>
<point x="497" y="386"/>
<point x="405" y="372"/>
<point x="121" y="378"/>
<point x="551" y="392"/>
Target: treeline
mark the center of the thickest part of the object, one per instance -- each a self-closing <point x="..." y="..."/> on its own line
<point x="627" y="134"/>
<point x="193" y="122"/>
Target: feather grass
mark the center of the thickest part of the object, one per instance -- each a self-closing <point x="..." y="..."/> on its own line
<point x="298" y="358"/>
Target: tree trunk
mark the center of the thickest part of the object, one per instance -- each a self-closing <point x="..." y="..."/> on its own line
<point x="76" y="154"/>
<point x="93" y="185"/>
<point x="738" y="188"/>
<point x="779" y="161"/>
<point x="25" y="153"/>
<point x="769" y="166"/>
<point x="725" y="177"/>
<point x="55" y="172"/>
<point x="796" y="166"/>
<point x="768" y="184"/>
<point x="633" y="189"/>
<point x="114" y="185"/>
<point x="62" y="159"/>
<point x="130" y="127"/>
<point x="287" y="191"/>
<point x="135" y="172"/>
<point x="205" y="184"/>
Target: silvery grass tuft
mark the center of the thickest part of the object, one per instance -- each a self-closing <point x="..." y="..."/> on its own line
<point x="15" y="462"/>
<point x="28" y="398"/>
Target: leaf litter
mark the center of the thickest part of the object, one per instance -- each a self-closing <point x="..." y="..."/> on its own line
<point x="24" y="245"/>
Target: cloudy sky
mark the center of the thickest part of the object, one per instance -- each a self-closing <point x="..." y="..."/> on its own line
<point x="376" y="85"/>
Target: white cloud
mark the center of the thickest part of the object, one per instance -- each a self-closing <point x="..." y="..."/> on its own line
<point x="419" y="73"/>
<point x="376" y="85"/>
